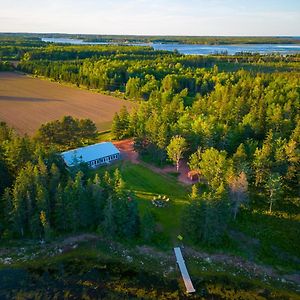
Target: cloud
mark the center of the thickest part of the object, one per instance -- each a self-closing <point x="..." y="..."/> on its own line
<point x="165" y="17"/>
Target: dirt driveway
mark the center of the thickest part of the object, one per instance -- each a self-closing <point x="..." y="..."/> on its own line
<point x="128" y="153"/>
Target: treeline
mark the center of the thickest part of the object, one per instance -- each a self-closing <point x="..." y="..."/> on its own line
<point x="13" y="48"/>
<point x="55" y="52"/>
<point x="209" y="40"/>
<point x="42" y="203"/>
<point x="41" y="199"/>
<point x="5" y="66"/>
<point x="138" y="71"/>
<point x="51" y="138"/>
<point x="206" y="40"/>
<point x="67" y="133"/>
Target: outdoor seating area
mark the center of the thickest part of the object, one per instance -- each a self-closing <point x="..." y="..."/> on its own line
<point x="160" y="201"/>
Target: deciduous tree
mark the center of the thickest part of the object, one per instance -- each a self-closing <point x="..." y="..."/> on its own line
<point x="176" y="149"/>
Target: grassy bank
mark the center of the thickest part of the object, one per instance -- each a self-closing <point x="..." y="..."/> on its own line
<point x="98" y="268"/>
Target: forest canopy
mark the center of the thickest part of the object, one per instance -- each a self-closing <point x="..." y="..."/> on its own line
<point x="233" y="119"/>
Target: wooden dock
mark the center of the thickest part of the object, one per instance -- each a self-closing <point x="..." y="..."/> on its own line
<point x="184" y="272"/>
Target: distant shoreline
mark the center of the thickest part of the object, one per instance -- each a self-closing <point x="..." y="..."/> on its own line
<point x="206" y="40"/>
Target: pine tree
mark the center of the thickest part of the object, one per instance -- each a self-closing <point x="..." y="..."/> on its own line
<point x="205" y="220"/>
<point x="131" y="226"/>
<point x="109" y="222"/>
<point x="6" y="207"/>
<point x="60" y="210"/>
<point x="80" y="202"/>
<point x="71" y="220"/>
<point x="148" y="226"/>
<point x="116" y="127"/>
<point x="194" y="193"/>
<point x="119" y="183"/>
<point x="98" y="200"/>
<point x="273" y="187"/>
<point x="23" y="199"/>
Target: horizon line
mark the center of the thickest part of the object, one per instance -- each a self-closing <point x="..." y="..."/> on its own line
<point x="147" y="35"/>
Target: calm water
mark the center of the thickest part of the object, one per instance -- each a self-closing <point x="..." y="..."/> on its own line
<point x="201" y="49"/>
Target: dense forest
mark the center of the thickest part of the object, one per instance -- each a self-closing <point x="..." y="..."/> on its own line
<point x="233" y="119"/>
<point x="41" y="199"/>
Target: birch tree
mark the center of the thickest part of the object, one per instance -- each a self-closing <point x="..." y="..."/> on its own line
<point x="176" y="149"/>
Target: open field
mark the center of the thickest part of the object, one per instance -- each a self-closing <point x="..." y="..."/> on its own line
<point x="26" y="103"/>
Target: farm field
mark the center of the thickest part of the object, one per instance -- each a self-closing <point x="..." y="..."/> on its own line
<point x="26" y="103"/>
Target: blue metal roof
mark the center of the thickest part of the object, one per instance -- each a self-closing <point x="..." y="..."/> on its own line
<point x="89" y="153"/>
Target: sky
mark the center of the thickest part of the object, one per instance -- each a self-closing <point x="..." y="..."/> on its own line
<point x="154" y="17"/>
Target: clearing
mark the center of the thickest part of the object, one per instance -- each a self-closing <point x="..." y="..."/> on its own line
<point x="26" y="103"/>
<point x="128" y="153"/>
<point x="147" y="184"/>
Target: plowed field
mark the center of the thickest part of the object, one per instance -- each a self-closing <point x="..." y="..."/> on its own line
<point x="26" y="103"/>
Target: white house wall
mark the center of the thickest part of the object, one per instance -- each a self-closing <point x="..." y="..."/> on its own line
<point x="104" y="160"/>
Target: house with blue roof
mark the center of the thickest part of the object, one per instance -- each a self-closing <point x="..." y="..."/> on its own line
<point x="94" y="155"/>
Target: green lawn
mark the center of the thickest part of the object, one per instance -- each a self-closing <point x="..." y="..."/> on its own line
<point x="145" y="184"/>
<point x="260" y="237"/>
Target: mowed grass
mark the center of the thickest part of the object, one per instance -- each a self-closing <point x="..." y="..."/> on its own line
<point x="26" y="103"/>
<point x="146" y="184"/>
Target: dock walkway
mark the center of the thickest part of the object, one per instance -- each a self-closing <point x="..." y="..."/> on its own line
<point x="184" y="272"/>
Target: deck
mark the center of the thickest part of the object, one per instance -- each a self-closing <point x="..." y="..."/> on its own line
<point x="184" y="272"/>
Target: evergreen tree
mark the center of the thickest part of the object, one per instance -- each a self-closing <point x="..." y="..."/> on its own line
<point x="273" y="187"/>
<point x="205" y="221"/>
<point x="194" y="193"/>
<point x="99" y="201"/>
<point x="6" y="206"/>
<point x="60" y="215"/>
<point x="132" y="222"/>
<point x="133" y="90"/>
<point x="109" y="222"/>
<point x="148" y="226"/>
<point x="116" y="128"/>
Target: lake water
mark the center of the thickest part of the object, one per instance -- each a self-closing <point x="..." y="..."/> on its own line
<point x="200" y="49"/>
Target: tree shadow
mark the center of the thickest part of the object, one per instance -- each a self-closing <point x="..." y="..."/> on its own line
<point x="27" y="99"/>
